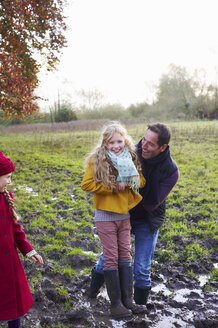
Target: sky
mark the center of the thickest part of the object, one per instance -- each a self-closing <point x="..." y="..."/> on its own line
<point x="122" y="47"/>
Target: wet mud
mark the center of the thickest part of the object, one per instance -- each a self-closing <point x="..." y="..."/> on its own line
<point x="176" y="300"/>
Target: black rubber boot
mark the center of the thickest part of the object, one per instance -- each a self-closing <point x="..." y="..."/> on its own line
<point x="126" y="285"/>
<point x="112" y="282"/>
<point x="141" y="295"/>
<point x="14" y="323"/>
<point x="97" y="281"/>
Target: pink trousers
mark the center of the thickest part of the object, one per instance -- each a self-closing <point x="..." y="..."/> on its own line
<point x="115" y="241"/>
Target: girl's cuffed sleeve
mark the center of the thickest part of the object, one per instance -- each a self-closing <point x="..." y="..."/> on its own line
<point x="142" y="181"/>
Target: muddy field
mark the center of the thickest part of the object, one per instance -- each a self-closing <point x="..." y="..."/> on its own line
<point x="176" y="300"/>
<point x="57" y="218"/>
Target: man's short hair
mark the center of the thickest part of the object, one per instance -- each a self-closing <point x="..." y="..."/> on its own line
<point x="163" y="132"/>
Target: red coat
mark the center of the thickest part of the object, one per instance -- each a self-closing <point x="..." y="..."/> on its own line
<point x="15" y="295"/>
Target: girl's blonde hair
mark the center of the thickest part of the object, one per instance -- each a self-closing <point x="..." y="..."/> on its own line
<point x="11" y="205"/>
<point x="104" y="171"/>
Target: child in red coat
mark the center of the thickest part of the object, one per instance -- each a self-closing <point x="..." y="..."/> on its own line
<point x="15" y="295"/>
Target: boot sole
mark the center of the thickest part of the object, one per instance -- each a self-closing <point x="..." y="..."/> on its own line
<point x="121" y="316"/>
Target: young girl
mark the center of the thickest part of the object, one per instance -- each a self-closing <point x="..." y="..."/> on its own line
<point x="112" y="176"/>
<point x="15" y="295"/>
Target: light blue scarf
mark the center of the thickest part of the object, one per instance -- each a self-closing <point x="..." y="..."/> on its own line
<point x="126" y="168"/>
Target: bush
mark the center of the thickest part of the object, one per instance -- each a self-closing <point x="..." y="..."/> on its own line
<point x="65" y="114"/>
<point x="110" y="112"/>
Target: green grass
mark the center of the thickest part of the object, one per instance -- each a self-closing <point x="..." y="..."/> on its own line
<point x="55" y="211"/>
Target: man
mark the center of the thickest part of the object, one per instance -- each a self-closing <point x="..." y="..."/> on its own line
<point x="161" y="174"/>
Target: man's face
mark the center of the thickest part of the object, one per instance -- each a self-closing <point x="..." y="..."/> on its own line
<point x="150" y="147"/>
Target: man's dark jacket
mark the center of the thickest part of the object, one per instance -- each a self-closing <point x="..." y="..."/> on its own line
<point x="161" y="174"/>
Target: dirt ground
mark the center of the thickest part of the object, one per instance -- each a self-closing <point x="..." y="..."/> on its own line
<point x="176" y="300"/>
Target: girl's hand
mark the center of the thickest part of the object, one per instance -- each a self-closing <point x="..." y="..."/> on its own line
<point x="121" y="186"/>
<point x="37" y="258"/>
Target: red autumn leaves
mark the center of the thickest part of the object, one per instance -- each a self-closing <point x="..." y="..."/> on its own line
<point x="27" y="28"/>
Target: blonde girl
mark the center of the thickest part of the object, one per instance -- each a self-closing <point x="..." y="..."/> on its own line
<point x="15" y="295"/>
<point x="113" y="175"/>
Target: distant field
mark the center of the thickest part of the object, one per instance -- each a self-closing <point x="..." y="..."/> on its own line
<point x="56" y="213"/>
